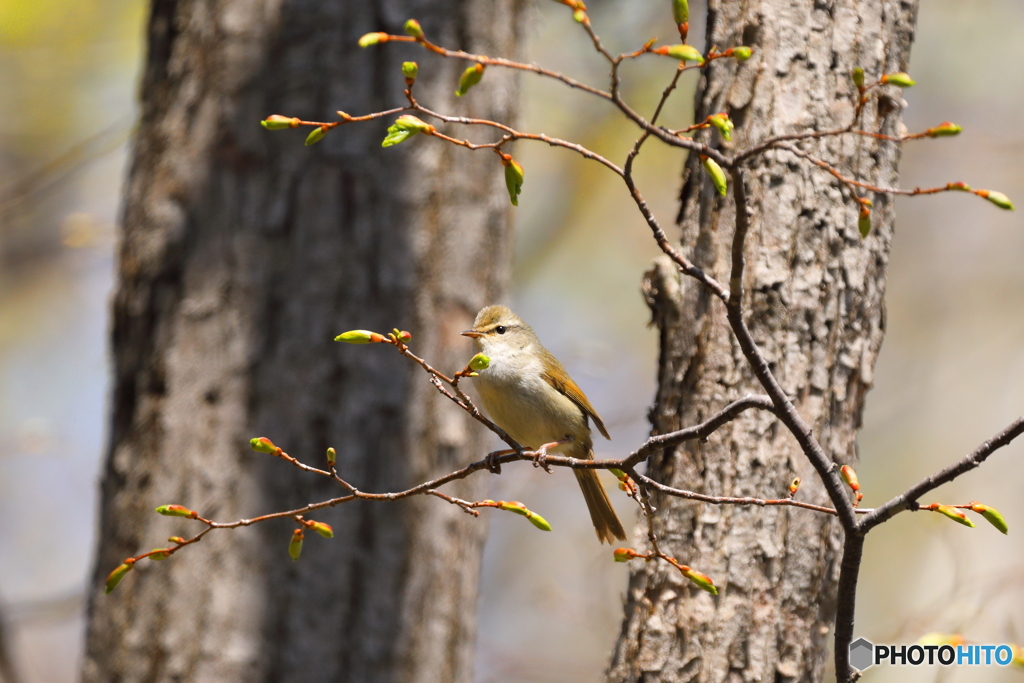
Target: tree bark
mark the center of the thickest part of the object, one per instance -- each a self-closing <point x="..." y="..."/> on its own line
<point x="815" y="307"/>
<point x="243" y="254"/>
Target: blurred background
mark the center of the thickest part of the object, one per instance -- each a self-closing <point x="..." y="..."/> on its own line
<point x="951" y="371"/>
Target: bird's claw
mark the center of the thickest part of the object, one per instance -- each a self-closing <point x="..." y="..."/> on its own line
<point x="492" y="462"/>
<point x="540" y="459"/>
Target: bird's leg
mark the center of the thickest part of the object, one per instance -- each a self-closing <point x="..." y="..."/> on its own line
<point x="540" y="456"/>
<point x="491" y="460"/>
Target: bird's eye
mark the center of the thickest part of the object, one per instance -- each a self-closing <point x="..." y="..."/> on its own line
<point x="500" y="329"/>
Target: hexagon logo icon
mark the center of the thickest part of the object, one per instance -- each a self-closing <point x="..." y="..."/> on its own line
<point x="861" y="654"/>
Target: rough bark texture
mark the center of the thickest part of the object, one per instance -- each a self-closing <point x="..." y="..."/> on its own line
<point x="243" y="254"/>
<point x="815" y="307"/>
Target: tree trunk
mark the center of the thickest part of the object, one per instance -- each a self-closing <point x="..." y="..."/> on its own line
<point x="814" y="306"/>
<point x="244" y="253"/>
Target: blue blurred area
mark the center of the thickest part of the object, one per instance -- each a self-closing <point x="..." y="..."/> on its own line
<point x="951" y="371"/>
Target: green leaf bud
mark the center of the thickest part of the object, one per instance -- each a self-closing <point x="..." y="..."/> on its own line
<point x="176" y="511"/>
<point x="295" y="545"/>
<point x="373" y="38"/>
<point x="997" y="198"/>
<point x="469" y="78"/>
<point x="944" y="129"/>
<point x="993" y="516"/>
<point x="898" y="79"/>
<point x="717" y="175"/>
<point x="684" y="53"/>
<point x="681" y="11"/>
<point x="741" y="53"/>
<point x="412" y="27"/>
<point x="401" y="130"/>
<point x="316" y="135"/>
<point x="278" y="122"/>
<point x="115" y="576"/>
<point x="479" y="362"/>
<point x="513" y="179"/>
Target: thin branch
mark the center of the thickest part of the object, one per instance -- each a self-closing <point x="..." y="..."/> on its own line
<point x="908" y="498"/>
<point x="785" y="409"/>
<point x="729" y="500"/>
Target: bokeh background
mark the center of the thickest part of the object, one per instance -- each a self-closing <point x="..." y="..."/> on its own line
<point x="950" y="374"/>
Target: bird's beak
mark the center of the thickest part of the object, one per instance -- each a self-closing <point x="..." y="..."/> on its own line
<point x="471" y="334"/>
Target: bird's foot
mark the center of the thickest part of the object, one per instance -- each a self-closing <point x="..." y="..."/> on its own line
<point x="540" y="456"/>
<point x="491" y="460"/>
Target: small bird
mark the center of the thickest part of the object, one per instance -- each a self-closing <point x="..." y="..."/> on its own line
<point x="528" y="393"/>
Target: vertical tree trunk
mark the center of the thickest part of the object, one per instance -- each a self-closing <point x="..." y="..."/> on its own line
<point x="815" y="307"/>
<point x="243" y="254"/>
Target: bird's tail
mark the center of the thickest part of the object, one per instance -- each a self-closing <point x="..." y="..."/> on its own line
<point x="602" y="514"/>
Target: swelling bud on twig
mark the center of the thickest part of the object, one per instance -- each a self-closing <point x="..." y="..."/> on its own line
<point x="864" y="221"/>
<point x="717" y="175"/>
<point x="469" y="78"/>
<point x="479" y="362"/>
<point x="295" y="545"/>
<point x="992" y="515"/>
<point x="513" y="178"/>
<point x="316" y="135"/>
<point x="410" y="70"/>
<point x="412" y="28"/>
<point x="740" y="54"/>
<point x="681" y="11"/>
<point x="176" y="539"/>
<point x="794" y="486"/>
<point x="520" y="509"/>
<point x="373" y="38"/>
<point x="278" y="122"/>
<point x="997" y="198"/>
<point x="263" y="445"/>
<point x="160" y="554"/>
<point x="898" y="79"/>
<point x="950" y="512"/>
<point x="625" y="554"/>
<point x="402" y="129"/>
<point x="332" y="456"/>
<point x="944" y="129"/>
<point x="359" y="337"/>
<point x="858" y="77"/>
<point x="724" y="124"/>
<point x="324" y="530"/>
<point x="177" y="511"/>
<point x="684" y="53"/>
<point x="702" y="581"/>
<point x="115" y="576"/>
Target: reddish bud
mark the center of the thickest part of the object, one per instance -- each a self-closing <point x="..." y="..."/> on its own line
<point x="997" y="198"/>
<point x="944" y="129"/>
<point x="864" y="221"/>
<point x="176" y="539"/>
<point x="278" y="122"/>
<point x="263" y="445"/>
<point x="702" y="581"/>
<point x="794" y="486"/>
<point x="624" y="554"/>
<point x="373" y="38"/>
<point x="176" y="511"/>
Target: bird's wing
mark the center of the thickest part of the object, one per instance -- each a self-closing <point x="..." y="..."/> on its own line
<point x="570" y="390"/>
